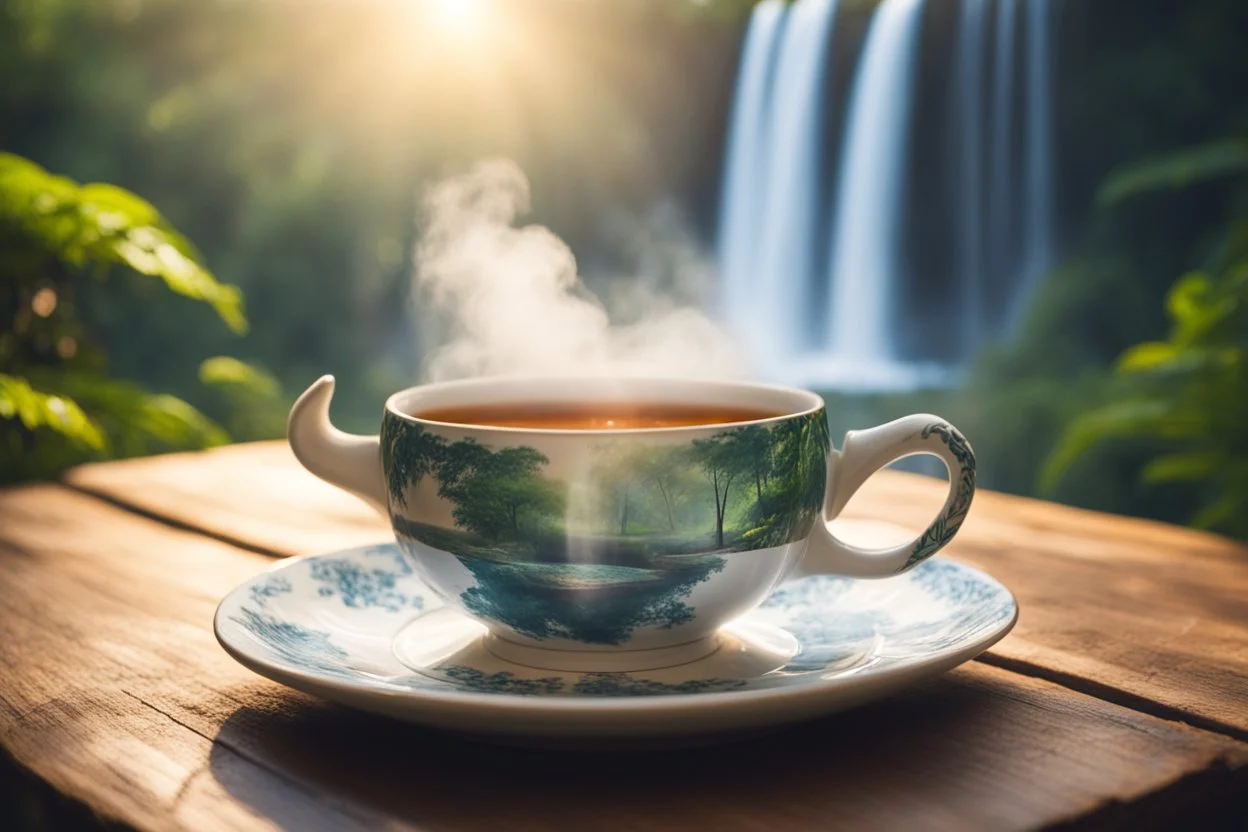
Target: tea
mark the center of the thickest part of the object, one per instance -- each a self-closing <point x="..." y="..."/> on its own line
<point x="594" y="415"/>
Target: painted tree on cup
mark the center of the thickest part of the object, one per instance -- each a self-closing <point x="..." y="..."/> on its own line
<point x="668" y="471"/>
<point x="724" y="461"/>
<point x="793" y="495"/>
<point x="500" y="495"/>
<point x="762" y="466"/>
<point x="774" y="475"/>
<point x="755" y="445"/>
<point x="413" y="453"/>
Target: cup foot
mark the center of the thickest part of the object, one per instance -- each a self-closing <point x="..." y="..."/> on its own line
<point x="600" y="661"/>
<point x="447" y="645"/>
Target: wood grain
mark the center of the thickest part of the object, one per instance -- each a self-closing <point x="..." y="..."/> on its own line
<point x="99" y="605"/>
<point x="115" y="694"/>
<point x="1139" y="612"/>
<point x="1155" y="612"/>
<point x="254" y="494"/>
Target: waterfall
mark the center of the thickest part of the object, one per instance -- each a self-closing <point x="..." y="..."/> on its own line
<point x="1038" y="159"/>
<point x="969" y="78"/>
<point x="1001" y="204"/>
<point x="872" y="187"/>
<point x="789" y="234"/>
<point x="746" y="166"/>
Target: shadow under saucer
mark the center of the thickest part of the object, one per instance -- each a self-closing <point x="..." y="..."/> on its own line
<point x="307" y="764"/>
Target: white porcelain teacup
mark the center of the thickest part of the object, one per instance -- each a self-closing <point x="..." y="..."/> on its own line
<point x="621" y="549"/>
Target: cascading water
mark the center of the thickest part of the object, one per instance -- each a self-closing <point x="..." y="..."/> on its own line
<point x="1001" y="199"/>
<point x="1000" y="218"/>
<point x="791" y="210"/>
<point x="870" y="200"/>
<point x="747" y="163"/>
<point x="1038" y="243"/>
<point x="771" y="202"/>
<point x="969" y="77"/>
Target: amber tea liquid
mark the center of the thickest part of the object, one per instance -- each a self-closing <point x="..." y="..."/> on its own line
<point x="594" y="415"/>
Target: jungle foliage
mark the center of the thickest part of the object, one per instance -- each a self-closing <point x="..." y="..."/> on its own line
<point x="1189" y="392"/>
<point x="58" y="403"/>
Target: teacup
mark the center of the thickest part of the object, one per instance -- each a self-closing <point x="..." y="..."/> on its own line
<point x="611" y="549"/>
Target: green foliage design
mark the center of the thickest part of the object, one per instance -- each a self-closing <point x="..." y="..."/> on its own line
<point x="622" y="547"/>
<point x="947" y="524"/>
<point x="497" y="495"/>
<point x="57" y="404"/>
<point x="793" y="472"/>
<point x="1186" y="396"/>
<point x="743" y="488"/>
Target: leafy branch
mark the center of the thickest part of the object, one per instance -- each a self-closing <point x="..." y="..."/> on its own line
<point x="1187" y="394"/>
<point x="58" y="405"/>
<point x="99" y="225"/>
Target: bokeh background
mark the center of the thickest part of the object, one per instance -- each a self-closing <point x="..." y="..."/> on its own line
<point x="262" y="163"/>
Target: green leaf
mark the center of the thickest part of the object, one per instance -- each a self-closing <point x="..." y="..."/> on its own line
<point x="1221" y="512"/>
<point x="153" y="251"/>
<point x="137" y="420"/>
<point x="1196" y="306"/>
<point x="101" y="200"/>
<point x="36" y="409"/>
<point x="1176" y="170"/>
<point x="252" y="404"/>
<point x="20" y="179"/>
<point x="1183" y="467"/>
<point x="224" y="371"/>
<point x="1184" y="363"/>
<point x="1189" y="297"/>
<point x="100" y="225"/>
<point x="1148" y="356"/>
<point x="176" y="423"/>
<point x="1159" y="419"/>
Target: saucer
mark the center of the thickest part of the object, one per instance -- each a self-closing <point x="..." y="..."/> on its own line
<point x="358" y="627"/>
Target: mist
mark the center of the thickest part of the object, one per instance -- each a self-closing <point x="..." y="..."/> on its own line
<point x="499" y="298"/>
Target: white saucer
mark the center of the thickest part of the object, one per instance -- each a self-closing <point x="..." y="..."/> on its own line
<point x="357" y="627"/>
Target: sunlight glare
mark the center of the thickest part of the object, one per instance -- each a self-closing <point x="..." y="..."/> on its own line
<point x="461" y="16"/>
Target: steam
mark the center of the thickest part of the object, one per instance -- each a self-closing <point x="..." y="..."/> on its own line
<point x="497" y="299"/>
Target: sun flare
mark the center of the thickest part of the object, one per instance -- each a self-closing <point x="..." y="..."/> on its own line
<point x="463" y="17"/>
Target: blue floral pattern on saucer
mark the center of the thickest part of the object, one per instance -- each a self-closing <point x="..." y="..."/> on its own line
<point x="361" y="586"/>
<point x="332" y="620"/>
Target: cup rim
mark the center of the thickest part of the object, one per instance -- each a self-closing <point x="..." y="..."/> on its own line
<point x="401" y="402"/>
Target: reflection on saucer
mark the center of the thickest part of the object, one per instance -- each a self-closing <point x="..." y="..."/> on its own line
<point x="447" y="645"/>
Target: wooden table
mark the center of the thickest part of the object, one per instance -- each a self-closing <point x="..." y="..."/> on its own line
<point x="1120" y="700"/>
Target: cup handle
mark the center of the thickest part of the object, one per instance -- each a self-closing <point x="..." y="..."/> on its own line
<point x="866" y="452"/>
